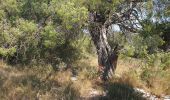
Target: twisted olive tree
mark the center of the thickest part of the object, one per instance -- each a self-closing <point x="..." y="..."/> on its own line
<point x="57" y="22"/>
<point x="99" y="16"/>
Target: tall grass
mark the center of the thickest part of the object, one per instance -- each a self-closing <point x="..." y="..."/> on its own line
<point x="42" y="82"/>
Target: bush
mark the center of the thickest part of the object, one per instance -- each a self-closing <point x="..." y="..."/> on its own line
<point x="160" y="59"/>
<point x="155" y="74"/>
<point x="24" y="42"/>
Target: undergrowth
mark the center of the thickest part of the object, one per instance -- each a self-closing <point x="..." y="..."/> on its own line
<point x="43" y="82"/>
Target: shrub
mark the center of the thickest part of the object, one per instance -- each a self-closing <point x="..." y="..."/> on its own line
<point x="160" y="59"/>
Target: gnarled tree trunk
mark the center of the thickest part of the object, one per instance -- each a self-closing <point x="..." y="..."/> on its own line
<point x="107" y="58"/>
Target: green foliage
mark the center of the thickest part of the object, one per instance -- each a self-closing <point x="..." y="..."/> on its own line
<point x="53" y="31"/>
<point x="34" y="9"/>
<point x="116" y="38"/>
<point x="147" y="41"/>
<point x="140" y="45"/>
<point x="26" y="27"/>
<point x="72" y="15"/>
<point x="42" y="30"/>
<point x="160" y="60"/>
<point x="9" y="5"/>
<point x="2" y="14"/>
<point x="7" y="52"/>
<point x="156" y="78"/>
<point x="50" y="37"/>
<point x="102" y="5"/>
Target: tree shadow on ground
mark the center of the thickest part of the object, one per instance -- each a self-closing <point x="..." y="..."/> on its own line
<point x="122" y="91"/>
<point x="118" y="91"/>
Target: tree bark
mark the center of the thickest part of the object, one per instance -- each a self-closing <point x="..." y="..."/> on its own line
<point x="107" y="58"/>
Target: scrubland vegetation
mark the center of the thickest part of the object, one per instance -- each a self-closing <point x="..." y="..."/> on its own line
<point x="70" y="49"/>
<point x="34" y="82"/>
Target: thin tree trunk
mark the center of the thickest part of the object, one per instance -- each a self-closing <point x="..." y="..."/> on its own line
<point x="107" y="59"/>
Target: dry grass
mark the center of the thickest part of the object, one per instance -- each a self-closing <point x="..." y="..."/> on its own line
<point x="132" y="71"/>
<point x="32" y="83"/>
<point x="128" y="71"/>
<point x="42" y="82"/>
<point x="157" y="81"/>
